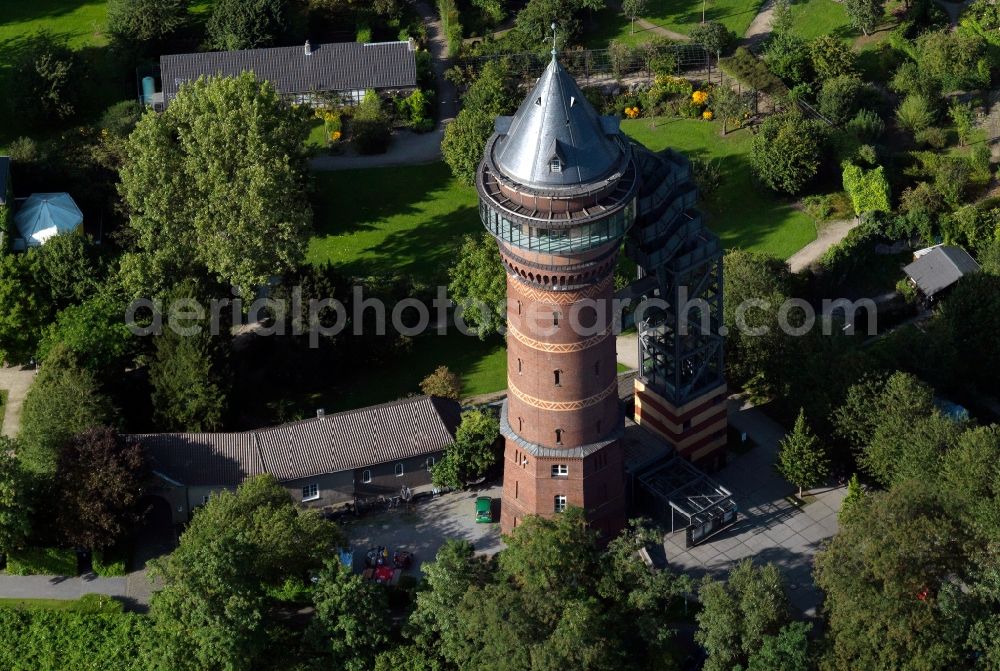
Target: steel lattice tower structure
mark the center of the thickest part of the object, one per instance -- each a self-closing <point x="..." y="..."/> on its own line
<point x="560" y="188"/>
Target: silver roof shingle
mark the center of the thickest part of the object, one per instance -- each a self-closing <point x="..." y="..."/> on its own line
<point x="556" y="121"/>
<point x="340" y="66"/>
<point x="939" y="268"/>
<point x="344" y="441"/>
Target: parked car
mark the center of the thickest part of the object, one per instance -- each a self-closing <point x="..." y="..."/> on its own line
<point x="484" y="509"/>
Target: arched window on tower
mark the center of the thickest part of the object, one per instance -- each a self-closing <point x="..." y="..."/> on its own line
<point x="559" y="433"/>
<point x="557" y="374"/>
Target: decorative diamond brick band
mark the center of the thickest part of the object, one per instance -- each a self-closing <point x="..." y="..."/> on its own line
<point x="562" y="406"/>
<point x="563" y="297"/>
<point x="558" y="348"/>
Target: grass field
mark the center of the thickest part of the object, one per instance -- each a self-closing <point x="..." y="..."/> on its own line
<point x="742" y="214"/>
<point x="813" y="18"/>
<point x="404" y="220"/>
<point x="683" y="15"/>
<point x="88" y="603"/>
<point x="610" y="24"/>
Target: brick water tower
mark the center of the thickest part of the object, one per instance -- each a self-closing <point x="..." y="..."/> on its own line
<point x="557" y="189"/>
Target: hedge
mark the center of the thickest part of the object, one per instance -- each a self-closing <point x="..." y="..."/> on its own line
<point x="47" y="639"/>
<point x="868" y="189"/>
<point x="42" y="561"/>
<point x="109" y="564"/>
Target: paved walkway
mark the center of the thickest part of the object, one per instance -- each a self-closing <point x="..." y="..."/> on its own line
<point x="769" y="528"/>
<point x="409" y="148"/>
<point x="59" y="587"/>
<point x="15" y="381"/>
<point x="829" y="235"/>
<point x="760" y="28"/>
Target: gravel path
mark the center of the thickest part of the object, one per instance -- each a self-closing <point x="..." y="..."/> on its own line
<point x="831" y="233"/>
<point x="760" y="27"/>
<point x="410" y="148"/>
<point x="15" y="381"/>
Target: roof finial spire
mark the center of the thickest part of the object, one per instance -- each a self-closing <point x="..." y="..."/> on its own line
<point x="554" y="40"/>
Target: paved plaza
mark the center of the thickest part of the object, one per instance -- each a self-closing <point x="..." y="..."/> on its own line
<point x="424" y="529"/>
<point x="769" y="528"/>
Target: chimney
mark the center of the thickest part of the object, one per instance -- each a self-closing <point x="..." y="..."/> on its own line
<point x="320" y="413"/>
<point x="308" y="49"/>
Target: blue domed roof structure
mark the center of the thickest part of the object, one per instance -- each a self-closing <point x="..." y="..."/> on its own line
<point x="45" y="215"/>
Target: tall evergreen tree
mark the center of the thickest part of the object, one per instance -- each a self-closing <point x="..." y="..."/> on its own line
<point x="188" y="390"/>
<point x="801" y="457"/>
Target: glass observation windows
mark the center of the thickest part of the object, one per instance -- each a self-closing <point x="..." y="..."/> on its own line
<point x="574" y="239"/>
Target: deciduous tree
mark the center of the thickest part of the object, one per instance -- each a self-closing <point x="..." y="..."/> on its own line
<point x="785" y="155"/>
<point x="215" y="607"/>
<point x="478" y="285"/>
<point x="865" y="15"/>
<point x="47" y="78"/>
<point x="101" y="477"/>
<point x="473" y="451"/>
<point x="350" y="622"/>
<point x="442" y="382"/>
<point x="633" y="9"/>
<point x="245" y="24"/>
<point x="15" y="509"/>
<point x="217" y="185"/>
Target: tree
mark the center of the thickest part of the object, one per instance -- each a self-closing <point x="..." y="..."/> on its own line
<point x="215" y="608"/>
<point x="490" y="96"/>
<point x="840" y="97"/>
<point x="15" y="509"/>
<point x="738" y="615"/>
<point x="479" y="285"/>
<point x="100" y="476"/>
<point x="781" y="17"/>
<point x="952" y="61"/>
<point x="350" y="623"/>
<point x="832" y="57"/>
<point x="94" y="331"/>
<point x="868" y="189"/>
<point x="24" y="307"/>
<point x="216" y="184"/>
<point x="865" y="15"/>
<point x="801" y="457"/>
<point x="788" y="650"/>
<point x="786" y="153"/>
<point x="728" y="105"/>
<point x="787" y="56"/>
<point x="145" y="22"/>
<point x="371" y="126"/>
<point x="533" y="24"/>
<point x="69" y="266"/>
<point x="442" y="382"/>
<point x="473" y="451"/>
<point x="245" y="24"/>
<point x="63" y="401"/>
<point x="632" y="9"/>
<point x="915" y="113"/>
<point x="188" y="390"/>
<point x="891" y="579"/>
<point x="854" y="494"/>
<point x="755" y="286"/>
<point x="714" y="36"/>
<point x="46" y="78"/>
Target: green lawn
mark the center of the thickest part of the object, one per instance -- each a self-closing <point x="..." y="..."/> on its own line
<point x="106" y="77"/>
<point x="392" y="220"/>
<point x="742" y="214"/>
<point x="610" y="24"/>
<point x="317" y="134"/>
<point x="813" y="18"/>
<point x="88" y="603"/>
<point x="683" y="15"/>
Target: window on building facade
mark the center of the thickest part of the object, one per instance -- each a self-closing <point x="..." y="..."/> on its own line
<point x="597" y="368"/>
<point x="559" y="503"/>
<point x="598" y="427"/>
<point x="555" y="319"/>
<point x="520" y="366"/>
<point x="555" y="165"/>
<point x="430" y="463"/>
<point x="310" y="492"/>
<point x="366" y="476"/>
<point x="558" y="376"/>
<point x="559" y="433"/>
<point x="520" y="423"/>
<point x="560" y="470"/>
<point x="516" y="489"/>
<point x="399" y="470"/>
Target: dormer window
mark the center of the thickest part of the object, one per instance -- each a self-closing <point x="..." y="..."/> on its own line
<point x="555" y="165"/>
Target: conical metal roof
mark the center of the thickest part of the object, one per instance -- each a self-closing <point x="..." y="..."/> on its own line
<point x="556" y="139"/>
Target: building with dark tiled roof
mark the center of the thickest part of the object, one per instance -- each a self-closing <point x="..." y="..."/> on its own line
<point x="937" y="268"/>
<point x="323" y="461"/>
<point x="302" y="74"/>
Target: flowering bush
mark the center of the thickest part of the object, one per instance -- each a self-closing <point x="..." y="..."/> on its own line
<point x="699" y="97"/>
<point x="335" y="135"/>
<point x="632" y="112"/>
<point x="672" y="84"/>
<point x="707" y="115"/>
